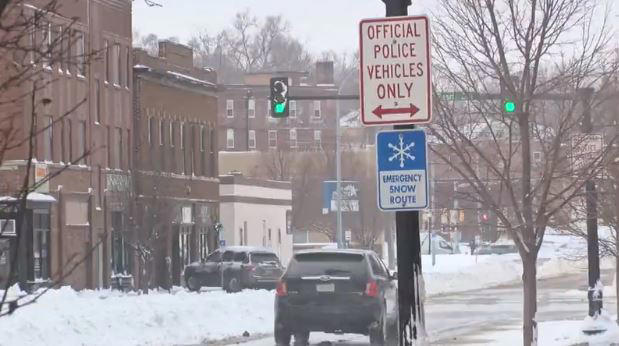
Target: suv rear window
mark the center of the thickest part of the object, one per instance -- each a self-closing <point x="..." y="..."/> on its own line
<point x="227" y="256"/>
<point x="334" y="264"/>
<point x="263" y="257"/>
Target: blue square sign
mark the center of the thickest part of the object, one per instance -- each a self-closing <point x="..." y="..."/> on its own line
<point x="401" y="160"/>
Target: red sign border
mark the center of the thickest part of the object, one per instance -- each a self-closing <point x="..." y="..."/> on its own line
<point x="429" y="74"/>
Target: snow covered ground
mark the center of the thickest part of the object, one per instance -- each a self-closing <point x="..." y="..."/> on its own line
<point x="63" y="316"/>
<point x="67" y="317"/>
<point x="555" y="333"/>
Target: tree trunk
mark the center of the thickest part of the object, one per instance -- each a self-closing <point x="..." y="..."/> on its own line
<point x="529" y="281"/>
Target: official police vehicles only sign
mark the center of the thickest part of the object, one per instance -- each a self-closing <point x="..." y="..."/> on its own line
<point x="401" y="160"/>
<point x="395" y="70"/>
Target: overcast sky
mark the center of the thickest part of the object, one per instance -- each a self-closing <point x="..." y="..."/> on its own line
<point x="320" y="24"/>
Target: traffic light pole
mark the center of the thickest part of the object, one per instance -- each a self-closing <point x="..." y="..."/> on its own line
<point x="411" y="317"/>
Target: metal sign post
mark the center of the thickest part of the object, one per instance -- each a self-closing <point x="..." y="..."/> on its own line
<point x="395" y="85"/>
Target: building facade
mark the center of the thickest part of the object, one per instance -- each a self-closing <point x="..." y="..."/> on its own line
<point x="257" y="212"/>
<point x="175" y="163"/>
<point x="78" y="106"/>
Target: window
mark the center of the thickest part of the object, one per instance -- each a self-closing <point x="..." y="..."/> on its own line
<point x="46" y="45"/>
<point x="40" y="244"/>
<point x="318" y="139"/>
<point x="202" y="138"/>
<point x="241" y="236"/>
<point x="80" y="53"/>
<point x="33" y="44"/>
<point x="7" y="227"/>
<point x="129" y="69"/>
<point x="118" y="145"/>
<point x="182" y="138"/>
<point x="252" y="139"/>
<point x="268" y="108"/>
<point x="151" y="129"/>
<point x="230" y="139"/>
<point x="230" y="108"/>
<point x="57" y="43"/>
<point x="48" y="141"/>
<point x="279" y="235"/>
<point x="377" y="268"/>
<point x="537" y="156"/>
<point x="81" y="142"/>
<point x="97" y="100"/>
<point x="119" y="70"/>
<point x="161" y="132"/>
<point x="192" y="144"/>
<point x="245" y="232"/>
<point x="293" y="138"/>
<point x="251" y="108"/>
<point x="272" y="139"/>
<point x="316" y="109"/>
<point x="116" y="64"/>
<point x="69" y="126"/>
<point x="214" y="257"/>
<point x="203" y="243"/>
<point x="241" y="257"/>
<point x="63" y="55"/>
<point x="211" y="146"/>
<point x="292" y="109"/>
<point x="120" y="249"/>
<point x="172" y="138"/>
<point x="106" y="51"/>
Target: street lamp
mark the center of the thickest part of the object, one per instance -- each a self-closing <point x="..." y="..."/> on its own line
<point x="338" y="164"/>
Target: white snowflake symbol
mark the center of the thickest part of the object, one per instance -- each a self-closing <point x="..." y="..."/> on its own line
<point x="401" y="151"/>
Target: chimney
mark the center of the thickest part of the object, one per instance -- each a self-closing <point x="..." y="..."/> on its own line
<point x="324" y="72"/>
<point x="176" y="54"/>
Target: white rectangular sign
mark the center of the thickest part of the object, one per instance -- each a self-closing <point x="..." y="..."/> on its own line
<point x="395" y="72"/>
<point x="585" y="149"/>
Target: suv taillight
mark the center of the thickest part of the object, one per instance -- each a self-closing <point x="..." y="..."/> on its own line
<point x="371" y="289"/>
<point x="282" y="289"/>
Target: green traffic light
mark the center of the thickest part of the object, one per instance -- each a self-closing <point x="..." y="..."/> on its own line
<point x="280" y="107"/>
<point x="509" y="106"/>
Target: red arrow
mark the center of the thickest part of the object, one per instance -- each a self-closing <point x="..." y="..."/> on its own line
<point x="379" y="111"/>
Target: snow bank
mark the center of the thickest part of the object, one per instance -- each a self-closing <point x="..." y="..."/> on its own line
<point x="66" y="317"/>
<point x="557" y="333"/>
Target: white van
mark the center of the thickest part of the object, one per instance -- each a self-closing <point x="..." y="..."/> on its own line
<point x="442" y="246"/>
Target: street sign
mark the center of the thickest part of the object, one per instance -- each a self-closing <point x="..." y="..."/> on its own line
<point x="585" y="149"/>
<point x="349" y="199"/>
<point x="348" y="235"/>
<point x="222" y="242"/>
<point x="395" y="70"/>
<point x="402" y="170"/>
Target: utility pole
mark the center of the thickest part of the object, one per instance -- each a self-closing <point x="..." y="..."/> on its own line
<point x="593" y="251"/>
<point x="410" y="307"/>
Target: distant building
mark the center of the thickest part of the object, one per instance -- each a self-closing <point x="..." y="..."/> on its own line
<point x="175" y="161"/>
<point x="83" y="128"/>
<point x="245" y="122"/>
<point x="256" y="212"/>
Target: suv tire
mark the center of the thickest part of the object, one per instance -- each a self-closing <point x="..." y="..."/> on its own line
<point x="282" y="337"/>
<point x="233" y="285"/>
<point x="301" y="339"/>
<point x="193" y="284"/>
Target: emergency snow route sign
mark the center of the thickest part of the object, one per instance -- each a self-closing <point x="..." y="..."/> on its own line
<point x="395" y="70"/>
<point x="402" y="170"/>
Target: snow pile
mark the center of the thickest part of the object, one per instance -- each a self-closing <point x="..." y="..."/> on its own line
<point x="558" y="333"/>
<point x="66" y="317"/>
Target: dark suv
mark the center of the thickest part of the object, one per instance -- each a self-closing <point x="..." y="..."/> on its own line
<point x="234" y="268"/>
<point x="335" y="291"/>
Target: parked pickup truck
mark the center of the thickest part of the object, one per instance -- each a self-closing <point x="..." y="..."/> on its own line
<point x="234" y="268"/>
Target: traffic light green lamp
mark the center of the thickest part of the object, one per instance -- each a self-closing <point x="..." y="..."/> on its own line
<point x="509" y="106"/>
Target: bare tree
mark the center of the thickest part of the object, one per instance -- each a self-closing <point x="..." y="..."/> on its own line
<point x="535" y="53"/>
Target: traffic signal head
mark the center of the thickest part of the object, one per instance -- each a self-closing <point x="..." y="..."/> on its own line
<point x="279" y="97"/>
<point x="484" y="217"/>
<point x="509" y="106"/>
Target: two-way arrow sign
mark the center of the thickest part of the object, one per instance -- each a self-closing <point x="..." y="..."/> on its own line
<point x="380" y="111"/>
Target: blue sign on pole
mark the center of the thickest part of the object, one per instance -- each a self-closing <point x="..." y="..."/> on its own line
<point x="401" y="160"/>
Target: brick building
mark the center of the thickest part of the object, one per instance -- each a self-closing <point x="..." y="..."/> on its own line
<point x="83" y="127"/>
<point x="175" y="162"/>
<point x="245" y="122"/>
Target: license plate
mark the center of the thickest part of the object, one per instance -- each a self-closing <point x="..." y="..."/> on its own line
<point x="325" y="288"/>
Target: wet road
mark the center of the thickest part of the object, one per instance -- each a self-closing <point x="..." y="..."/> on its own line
<point x="458" y="319"/>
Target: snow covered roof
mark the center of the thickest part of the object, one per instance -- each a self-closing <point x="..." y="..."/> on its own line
<point x="350" y="120"/>
<point x="190" y="78"/>
<point x="40" y="197"/>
